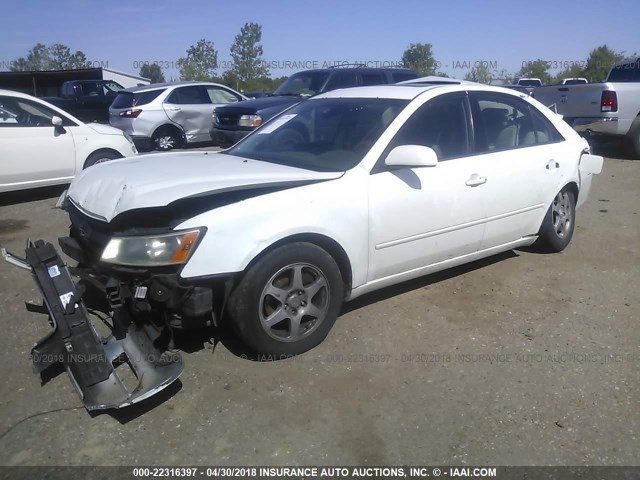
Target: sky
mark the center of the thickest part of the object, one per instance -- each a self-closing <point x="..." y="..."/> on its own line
<point x="122" y="34"/>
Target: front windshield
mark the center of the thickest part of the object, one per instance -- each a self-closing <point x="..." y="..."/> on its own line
<point x="304" y="84"/>
<point x="329" y="134"/>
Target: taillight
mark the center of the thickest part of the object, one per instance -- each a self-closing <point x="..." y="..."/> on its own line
<point x="609" y="101"/>
<point x="130" y="113"/>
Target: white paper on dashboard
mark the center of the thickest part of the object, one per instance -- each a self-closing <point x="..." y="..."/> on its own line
<point x="277" y="123"/>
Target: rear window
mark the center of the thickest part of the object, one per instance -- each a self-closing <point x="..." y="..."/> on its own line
<point x="530" y="83"/>
<point x="574" y="81"/>
<point x="129" y="99"/>
<point x="627" y="72"/>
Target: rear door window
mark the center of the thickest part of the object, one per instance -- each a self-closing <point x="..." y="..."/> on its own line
<point x="372" y="78"/>
<point x="91" y="89"/>
<point x="544" y="130"/>
<point x="342" y="80"/>
<point x="501" y="122"/>
<point x="191" y="95"/>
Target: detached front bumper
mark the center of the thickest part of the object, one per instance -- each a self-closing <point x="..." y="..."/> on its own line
<point x="93" y="362"/>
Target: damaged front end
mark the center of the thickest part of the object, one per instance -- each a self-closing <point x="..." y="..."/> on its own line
<point x="93" y="362"/>
<point x="136" y="308"/>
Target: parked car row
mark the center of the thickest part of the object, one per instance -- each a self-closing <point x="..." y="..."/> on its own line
<point x="167" y="116"/>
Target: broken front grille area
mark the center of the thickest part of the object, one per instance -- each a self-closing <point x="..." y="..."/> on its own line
<point x="90" y="235"/>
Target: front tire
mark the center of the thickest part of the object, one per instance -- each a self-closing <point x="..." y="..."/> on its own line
<point x="100" y="157"/>
<point x="558" y="224"/>
<point x="287" y="302"/>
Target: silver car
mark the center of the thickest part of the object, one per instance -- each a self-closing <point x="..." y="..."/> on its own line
<point x="165" y="116"/>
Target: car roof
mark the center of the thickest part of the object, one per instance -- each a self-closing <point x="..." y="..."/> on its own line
<point x="15" y="94"/>
<point x="363" y="68"/>
<point x="156" y="86"/>
<point x="404" y="91"/>
<point x="435" y="80"/>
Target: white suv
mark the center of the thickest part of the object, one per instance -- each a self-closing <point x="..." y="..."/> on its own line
<point x="165" y="116"/>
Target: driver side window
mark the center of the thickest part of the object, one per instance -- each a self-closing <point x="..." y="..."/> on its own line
<point x="20" y="112"/>
<point x="441" y="124"/>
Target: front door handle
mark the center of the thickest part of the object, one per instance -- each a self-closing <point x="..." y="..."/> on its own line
<point x="174" y="109"/>
<point x="552" y="164"/>
<point x="475" y="180"/>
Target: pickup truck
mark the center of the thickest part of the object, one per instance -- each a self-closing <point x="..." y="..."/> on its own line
<point x="609" y="108"/>
<point x="87" y="100"/>
<point x="234" y="122"/>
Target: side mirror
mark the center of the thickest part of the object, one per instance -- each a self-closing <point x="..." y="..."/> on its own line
<point x="58" y="129"/>
<point x="411" y="156"/>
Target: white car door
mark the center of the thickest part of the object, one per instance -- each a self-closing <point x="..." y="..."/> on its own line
<point x="33" y="152"/>
<point x="422" y="216"/>
<point x="518" y="158"/>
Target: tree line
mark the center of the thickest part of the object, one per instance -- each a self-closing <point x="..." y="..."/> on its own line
<point x="248" y="71"/>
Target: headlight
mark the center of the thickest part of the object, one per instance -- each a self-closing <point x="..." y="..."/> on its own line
<point x="153" y="250"/>
<point x="250" y="121"/>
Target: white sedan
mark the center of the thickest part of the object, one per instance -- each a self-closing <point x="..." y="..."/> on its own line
<point x="41" y="145"/>
<point x="343" y="194"/>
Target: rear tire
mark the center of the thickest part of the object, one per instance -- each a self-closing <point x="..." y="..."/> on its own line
<point x="100" y="157"/>
<point x="632" y="139"/>
<point x="287" y="302"/>
<point x="558" y="224"/>
<point x="167" y="138"/>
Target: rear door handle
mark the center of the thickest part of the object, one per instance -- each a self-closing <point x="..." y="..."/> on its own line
<point x="174" y="109"/>
<point x="475" y="180"/>
<point x="552" y="164"/>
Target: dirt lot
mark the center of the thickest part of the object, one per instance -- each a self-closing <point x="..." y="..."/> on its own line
<point x="517" y="360"/>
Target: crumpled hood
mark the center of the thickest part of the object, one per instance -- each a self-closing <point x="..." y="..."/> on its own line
<point x="111" y="188"/>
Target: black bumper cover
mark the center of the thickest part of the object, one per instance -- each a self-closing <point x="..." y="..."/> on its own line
<point x="90" y="360"/>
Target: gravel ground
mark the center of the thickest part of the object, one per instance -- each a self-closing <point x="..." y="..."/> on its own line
<point x="520" y="359"/>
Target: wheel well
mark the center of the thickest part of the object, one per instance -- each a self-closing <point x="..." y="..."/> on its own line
<point x="168" y="126"/>
<point x="101" y="150"/>
<point x="329" y="245"/>
<point x="574" y="188"/>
